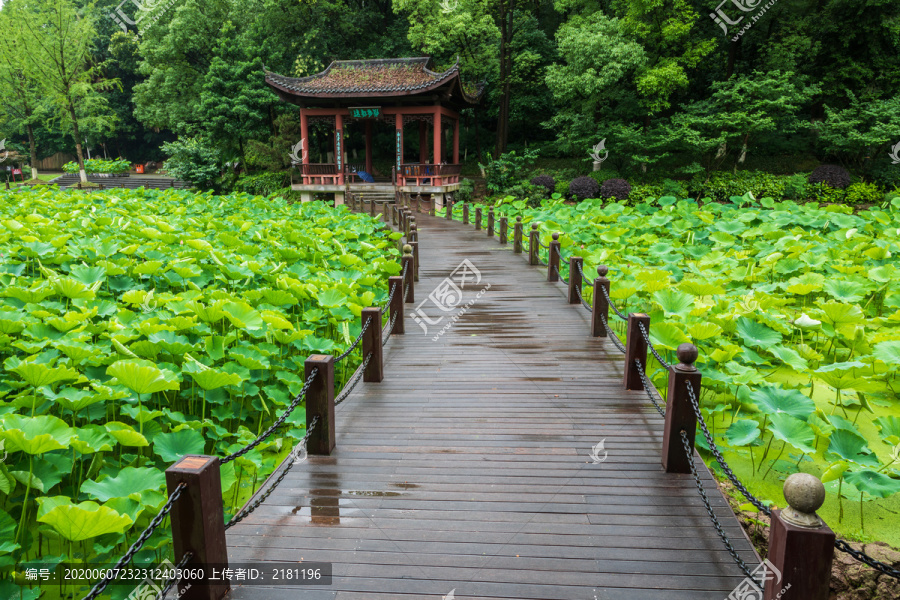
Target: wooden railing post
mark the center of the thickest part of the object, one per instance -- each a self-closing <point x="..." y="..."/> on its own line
<point x="533" y="247"/>
<point x="413" y="230"/>
<point x="415" y="253"/>
<point x="635" y="350"/>
<point x="408" y="263"/>
<point x="801" y="545"/>
<point x="407" y="222"/>
<point x="396" y="305"/>
<point x="419" y="202"/>
<point x="517" y="235"/>
<point x="320" y="403"/>
<point x="679" y="412"/>
<point x="600" y="305"/>
<point x="371" y="206"/>
<point x="478" y="219"/>
<point x="198" y="522"/>
<point x="448" y="208"/>
<point x="371" y="342"/>
<point x="553" y="259"/>
<point x="504" y="235"/>
<point x="490" y="222"/>
<point x="395" y="215"/>
<point x="575" y="264"/>
<point x="465" y="215"/>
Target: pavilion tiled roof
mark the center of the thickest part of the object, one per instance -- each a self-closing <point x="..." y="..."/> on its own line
<point x="378" y="77"/>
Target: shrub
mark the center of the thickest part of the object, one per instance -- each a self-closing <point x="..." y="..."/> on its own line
<point x="722" y="186"/>
<point x="506" y="171"/>
<point x="527" y="191"/>
<point x="834" y="176"/>
<point x="545" y="181"/>
<point x="192" y="160"/>
<point x="98" y="165"/>
<point x="584" y="187"/>
<point x="640" y="193"/>
<point x="795" y="187"/>
<point x="670" y="187"/>
<point x="263" y="184"/>
<point x="822" y="192"/>
<point x="615" y="188"/>
<point x="562" y="187"/>
<point x="863" y="193"/>
<point x="602" y="175"/>
<point x="465" y="192"/>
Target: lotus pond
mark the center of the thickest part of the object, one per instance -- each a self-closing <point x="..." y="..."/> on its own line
<point x="139" y="326"/>
<point x="796" y="312"/>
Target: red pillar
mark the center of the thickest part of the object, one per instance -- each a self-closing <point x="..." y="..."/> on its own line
<point x="339" y="146"/>
<point x="399" y="141"/>
<point x="456" y="142"/>
<point x="304" y="134"/>
<point x="423" y="143"/>
<point x="369" y="146"/>
<point x="437" y="135"/>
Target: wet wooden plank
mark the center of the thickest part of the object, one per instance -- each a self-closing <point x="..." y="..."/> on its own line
<point x="469" y="467"/>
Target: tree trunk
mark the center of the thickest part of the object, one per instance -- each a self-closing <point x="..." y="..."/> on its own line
<point x="477" y="134"/>
<point x="77" y="135"/>
<point x="31" y="148"/>
<point x="506" y="22"/>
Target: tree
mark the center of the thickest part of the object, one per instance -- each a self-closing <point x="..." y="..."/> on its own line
<point x="57" y="37"/>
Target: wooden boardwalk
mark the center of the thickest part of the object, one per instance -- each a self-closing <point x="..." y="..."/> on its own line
<point x="468" y="468"/>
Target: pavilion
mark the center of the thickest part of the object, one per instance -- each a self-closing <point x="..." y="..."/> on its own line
<point x="397" y="92"/>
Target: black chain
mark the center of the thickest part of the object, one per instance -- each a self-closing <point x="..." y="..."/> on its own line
<point x="390" y="298"/>
<point x="611" y="305"/>
<point x="612" y="335"/>
<point x="541" y="244"/>
<point x="862" y="557"/>
<point x="355" y="344"/>
<point x="692" y="398"/>
<point x="650" y="345"/>
<point x="139" y="543"/>
<point x="587" y="282"/>
<point x="580" y="297"/>
<point x="173" y="580"/>
<point x="245" y="512"/>
<point x="348" y="387"/>
<point x="648" y="386"/>
<point x="558" y="274"/>
<point x="712" y="515"/>
<point x="276" y="424"/>
<point x="387" y="336"/>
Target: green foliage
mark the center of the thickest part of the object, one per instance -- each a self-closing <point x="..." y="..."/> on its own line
<point x="527" y="191"/>
<point x="603" y="175"/>
<point x="822" y="192"/>
<point x="506" y="171"/>
<point x="466" y="190"/>
<point x="98" y="165"/>
<point x="261" y="185"/>
<point x="863" y="193"/>
<point x="193" y="160"/>
<point x="562" y="188"/>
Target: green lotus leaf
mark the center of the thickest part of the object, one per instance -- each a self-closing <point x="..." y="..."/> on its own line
<point x="71" y="289"/>
<point x="835" y="471"/>
<point x="7" y="534"/>
<point x="243" y="316"/>
<point x="889" y="429"/>
<point x="851" y="447"/>
<point x="142" y="377"/>
<point x="171" y="342"/>
<point x="88" y="275"/>
<point x="85" y="521"/>
<point x="793" y="431"/>
<point x="212" y="313"/>
<point x="127" y="482"/>
<point x="756" y="334"/>
<point x="888" y="352"/>
<point x="250" y="358"/>
<point x="35" y="435"/>
<point x="674" y="302"/>
<point x="789" y="356"/>
<point x="873" y="483"/>
<point x="667" y="335"/>
<point x="704" y="331"/>
<point x="39" y="374"/>
<point x="838" y="314"/>
<point x="742" y="432"/>
<point x="845" y="291"/>
<point x="125" y="434"/>
<point x="172" y="446"/>
<point x="773" y="400"/>
<point x="211" y="379"/>
<point x="331" y="298"/>
<point x="91" y="439"/>
<point x="72" y="399"/>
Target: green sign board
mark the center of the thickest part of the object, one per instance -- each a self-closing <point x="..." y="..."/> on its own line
<point x="365" y="112"/>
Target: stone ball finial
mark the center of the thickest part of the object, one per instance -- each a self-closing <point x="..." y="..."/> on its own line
<point x="534" y="226"/>
<point x="687" y="354"/>
<point x="407" y="250"/>
<point x="602" y="270"/>
<point x="805" y="494"/>
<point x="555" y="237"/>
<point x="519" y="219"/>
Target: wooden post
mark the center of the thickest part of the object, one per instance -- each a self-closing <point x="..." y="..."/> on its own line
<point x="407" y="220"/>
<point x="408" y="262"/>
<point x="533" y="257"/>
<point x="575" y="264"/>
<point x="517" y="236"/>
<point x="395" y="212"/>
<point x="679" y="412"/>
<point x="635" y="349"/>
<point x="419" y="202"/>
<point x="396" y="303"/>
<point x="371" y="206"/>
<point x="371" y="342"/>
<point x="801" y="545"/>
<point x="465" y="213"/>
<point x="320" y="403"/>
<point x="478" y="219"/>
<point x="600" y="305"/>
<point x="415" y="251"/>
<point x="504" y="235"/>
<point x="553" y="259"/>
<point x="413" y="231"/>
<point x="448" y="208"/>
<point x="198" y="522"/>
<point x="490" y="222"/>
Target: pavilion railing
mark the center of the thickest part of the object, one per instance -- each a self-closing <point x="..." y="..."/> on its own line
<point x="319" y="174"/>
<point x="429" y="174"/>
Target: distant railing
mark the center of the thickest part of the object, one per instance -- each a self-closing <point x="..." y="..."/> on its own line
<point x="318" y="174"/>
<point x="429" y="174"/>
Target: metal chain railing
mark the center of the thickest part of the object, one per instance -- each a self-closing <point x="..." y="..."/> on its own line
<point x="650" y="389"/>
<point x="862" y="557"/>
<point x="348" y="387"/>
<point x="612" y="335"/>
<point x="138" y="544"/>
<point x="580" y="297"/>
<point x="712" y="515"/>
<point x="586" y="281"/>
<point x="611" y="305"/>
<point x="650" y="345"/>
<point x="262" y="437"/>
<point x="390" y="330"/>
<point x="356" y="343"/>
<point x="558" y="274"/>
<point x="245" y="512"/>
<point x="170" y="583"/>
